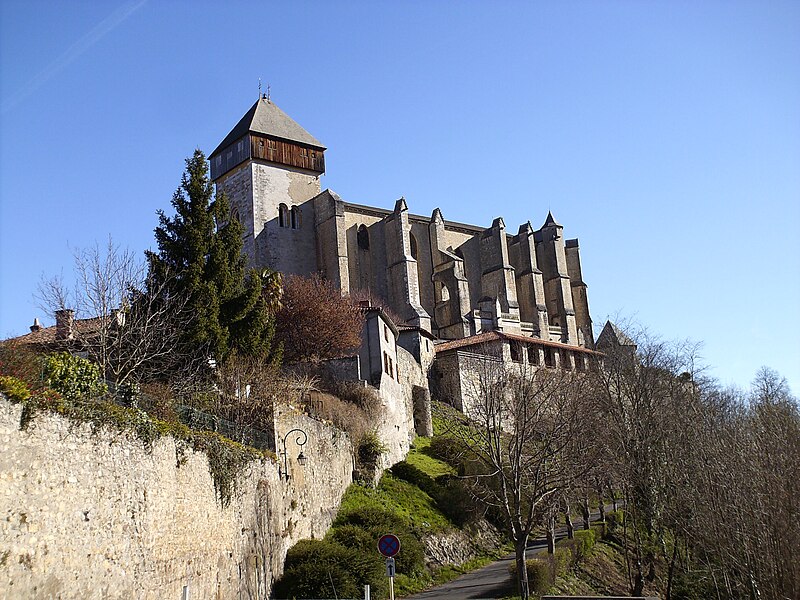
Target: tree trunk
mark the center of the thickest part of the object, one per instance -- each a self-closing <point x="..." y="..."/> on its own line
<point x="586" y="513"/>
<point x="671" y="572"/>
<point x="551" y="535"/>
<point x="570" y="526"/>
<point x="522" y="571"/>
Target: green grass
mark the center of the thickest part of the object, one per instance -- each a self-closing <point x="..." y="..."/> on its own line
<point x="421" y="459"/>
<point x="413" y="506"/>
<point x="446" y="418"/>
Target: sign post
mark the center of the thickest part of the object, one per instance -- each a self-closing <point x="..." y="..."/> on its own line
<point x="389" y="545"/>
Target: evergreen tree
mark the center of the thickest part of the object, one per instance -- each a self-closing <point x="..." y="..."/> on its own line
<point x="200" y="251"/>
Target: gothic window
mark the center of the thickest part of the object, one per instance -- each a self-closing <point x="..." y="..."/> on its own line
<point x="565" y="361"/>
<point x="283" y="215"/>
<point x="516" y="352"/>
<point x="445" y="293"/>
<point x="296" y="217"/>
<point x="235" y="215"/>
<point x="362" y="237"/>
<point x="533" y="355"/>
<point x="413" y="246"/>
<point x="549" y="357"/>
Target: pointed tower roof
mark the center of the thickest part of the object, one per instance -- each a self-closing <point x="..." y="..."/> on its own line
<point x="613" y="336"/>
<point x="265" y="118"/>
<point x="550" y="221"/>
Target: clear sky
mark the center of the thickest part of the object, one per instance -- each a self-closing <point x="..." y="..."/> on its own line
<point x="664" y="135"/>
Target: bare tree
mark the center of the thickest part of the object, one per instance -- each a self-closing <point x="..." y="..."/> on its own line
<point x="644" y="387"/>
<point x="315" y="322"/>
<point x="525" y="445"/>
<point x="126" y="321"/>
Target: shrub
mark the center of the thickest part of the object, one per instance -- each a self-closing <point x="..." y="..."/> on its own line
<point x="370" y="449"/>
<point x="73" y="377"/>
<point x="343" y="415"/>
<point x="315" y="321"/>
<point x="417" y="477"/>
<point x="324" y="569"/>
<point x="580" y="545"/>
<point x="448" y="449"/>
<point x="614" y="521"/>
<point x="158" y="400"/>
<point x="368" y="517"/>
<point x="15" y="389"/>
<point x="541" y="573"/>
<point x="562" y="561"/>
<point x="18" y="360"/>
<point x="454" y="500"/>
<point x="353" y="536"/>
<point x="364" y="397"/>
<point x="449" y="493"/>
<point x="376" y="522"/>
<point x="587" y="539"/>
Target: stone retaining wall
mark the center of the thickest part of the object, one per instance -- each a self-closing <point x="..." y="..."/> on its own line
<point x="95" y="515"/>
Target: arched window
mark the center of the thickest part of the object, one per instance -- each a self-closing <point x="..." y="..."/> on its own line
<point x="413" y="246"/>
<point x="235" y="215"/>
<point x="283" y="215"/>
<point x="296" y="217"/>
<point x="362" y="237"/>
<point x="445" y="293"/>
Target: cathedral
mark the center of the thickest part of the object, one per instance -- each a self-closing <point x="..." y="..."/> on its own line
<point x="450" y="284"/>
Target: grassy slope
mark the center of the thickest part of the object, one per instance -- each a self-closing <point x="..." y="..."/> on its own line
<point x="415" y="507"/>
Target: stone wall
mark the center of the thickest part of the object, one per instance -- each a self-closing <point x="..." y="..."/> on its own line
<point x="95" y="515"/>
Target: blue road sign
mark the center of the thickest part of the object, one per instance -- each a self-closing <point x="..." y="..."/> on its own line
<point x="389" y="545"/>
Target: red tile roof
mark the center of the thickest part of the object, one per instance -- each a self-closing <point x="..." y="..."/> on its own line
<point x="47" y="335"/>
<point x="491" y="336"/>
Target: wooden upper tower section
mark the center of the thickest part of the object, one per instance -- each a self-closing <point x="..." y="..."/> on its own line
<point x="267" y="133"/>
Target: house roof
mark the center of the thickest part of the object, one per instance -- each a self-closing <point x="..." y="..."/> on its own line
<point x="492" y="336"/>
<point x="265" y="118"/>
<point x="377" y="310"/>
<point x="47" y="335"/>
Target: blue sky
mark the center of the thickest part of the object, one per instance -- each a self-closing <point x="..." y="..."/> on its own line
<point x="664" y="135"/>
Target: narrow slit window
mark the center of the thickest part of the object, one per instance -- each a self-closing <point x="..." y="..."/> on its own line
<point x="283" y="215"/>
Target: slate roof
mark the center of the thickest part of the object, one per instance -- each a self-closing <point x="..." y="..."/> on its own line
<point x="613" y="336"/>
<point x="491" y="336"/>
<point x="266" y="118"/>
<point x="551" y="221"/>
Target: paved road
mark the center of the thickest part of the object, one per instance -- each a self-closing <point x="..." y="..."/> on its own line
<point x="492" y="581"/>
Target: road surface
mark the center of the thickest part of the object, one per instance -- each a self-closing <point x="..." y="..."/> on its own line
<point x="492" y="581"/>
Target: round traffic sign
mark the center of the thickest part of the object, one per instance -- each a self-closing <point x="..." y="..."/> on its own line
<point x="389" y="545"/>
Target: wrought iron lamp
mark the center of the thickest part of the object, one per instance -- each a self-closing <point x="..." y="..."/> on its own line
<point x="302" y="459"/>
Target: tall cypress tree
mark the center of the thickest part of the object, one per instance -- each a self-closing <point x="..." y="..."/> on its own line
<point x="200" y="252"/>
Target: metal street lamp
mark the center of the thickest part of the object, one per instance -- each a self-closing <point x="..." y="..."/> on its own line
<point x="300" y="440"/>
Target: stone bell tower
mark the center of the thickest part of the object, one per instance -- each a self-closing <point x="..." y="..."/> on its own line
<point x="270" y="167"/>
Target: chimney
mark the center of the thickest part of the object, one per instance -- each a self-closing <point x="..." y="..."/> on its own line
<point x="65" y="319"/>
<point x="36" y="325"/>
